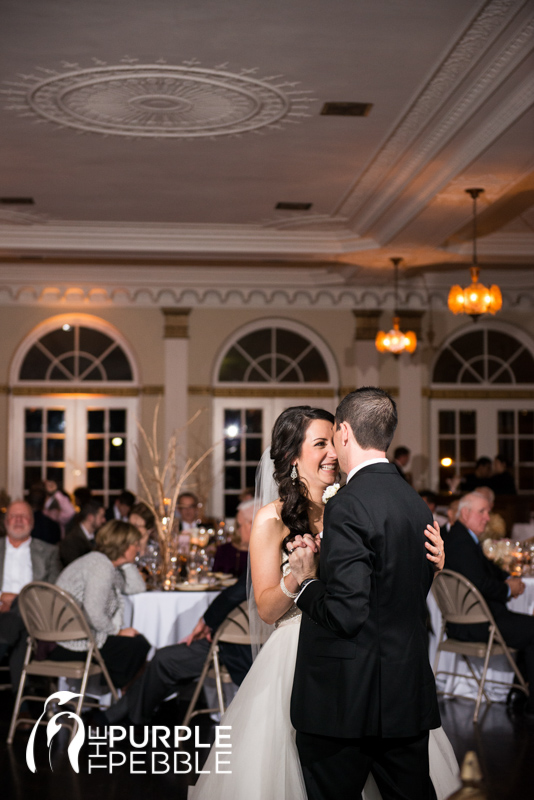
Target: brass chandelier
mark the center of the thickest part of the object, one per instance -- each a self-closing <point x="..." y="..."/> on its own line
<point x="395" y="341"/>
<point x="475" y="299"/>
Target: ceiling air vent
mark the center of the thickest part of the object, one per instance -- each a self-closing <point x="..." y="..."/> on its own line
<point x="17" y="201"/>
<point x="293" y="206"/>
<point x="346" y="109"/>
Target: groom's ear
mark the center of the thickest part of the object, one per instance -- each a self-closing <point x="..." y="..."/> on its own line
<point x="344" y="429"/>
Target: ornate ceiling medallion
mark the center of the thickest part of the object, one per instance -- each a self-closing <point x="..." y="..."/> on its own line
<point x="159" y="100"/>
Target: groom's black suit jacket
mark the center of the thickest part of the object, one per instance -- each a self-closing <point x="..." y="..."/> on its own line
<point x="362" y="664"/>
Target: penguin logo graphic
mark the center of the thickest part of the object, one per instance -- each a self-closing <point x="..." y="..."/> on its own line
<point x="53" y="727"/>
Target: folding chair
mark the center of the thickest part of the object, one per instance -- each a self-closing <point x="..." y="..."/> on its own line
<point x="461" y="603"/>
<point x="51" y="614"/>
<point x="234" y="630"/>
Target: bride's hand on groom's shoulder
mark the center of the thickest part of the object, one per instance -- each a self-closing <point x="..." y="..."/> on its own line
<point x="436" y="550"/>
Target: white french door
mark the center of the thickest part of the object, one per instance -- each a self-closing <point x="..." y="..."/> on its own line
<point x="464" y="430"/>
<point x="75" y="441"/>
<point x="242" y="429"/>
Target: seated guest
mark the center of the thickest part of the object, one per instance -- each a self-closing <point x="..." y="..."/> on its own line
<point x="232" y="556"/>
<point x="97" y="582"/>
<point x="496" y="527"/>
<point x="463" y="554"/>
<point x="502" y="481"/>
<point x="58" y="506"/>
<point x="44" y="528"/>
<point x="143" y="519"/>
<point x="179" y="662"/>
<point x="188" y="507"/>
<point x="122" y="507"/>
<point x="401" y="456"/>
<point x="81" y="538"/>
<point x="22" y="559"/>
<point x="431" y="499"/>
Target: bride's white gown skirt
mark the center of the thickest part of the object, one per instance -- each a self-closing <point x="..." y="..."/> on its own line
<point x="264" y="762"/>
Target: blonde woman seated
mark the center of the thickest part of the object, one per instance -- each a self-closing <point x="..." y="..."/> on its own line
<point x="97" y="582"/>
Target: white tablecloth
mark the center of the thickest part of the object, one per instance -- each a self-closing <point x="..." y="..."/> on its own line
<point x="522" y="531"/>
<point x="165" y="617"/>
<point x="499" y="667"/>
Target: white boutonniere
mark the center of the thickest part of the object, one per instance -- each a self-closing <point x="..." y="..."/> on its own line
<point x="330" y="492"/>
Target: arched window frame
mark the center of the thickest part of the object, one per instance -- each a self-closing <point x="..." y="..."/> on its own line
<point x="52" y="324"/>
<point x="490" y="325"/>
<point x="279" y="322"/>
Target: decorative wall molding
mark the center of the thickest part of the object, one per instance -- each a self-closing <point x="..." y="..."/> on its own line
<point x="245" y="390"/>
<point x="367" y="323"/>
<point x="176" y="323"/>
<point x="492" y="18"/>
<point x="158" y="100"/>
<point x="392" y="390"/>
<point x="35" y="390"/>
<point x="510" y="393"/>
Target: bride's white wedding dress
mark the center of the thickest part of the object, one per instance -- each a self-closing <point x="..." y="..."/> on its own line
<point x="264" y="762"/>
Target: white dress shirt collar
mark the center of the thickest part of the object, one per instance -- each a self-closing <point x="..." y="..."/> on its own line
<point x="353" y="472"/>
<point x="18" y="570"/>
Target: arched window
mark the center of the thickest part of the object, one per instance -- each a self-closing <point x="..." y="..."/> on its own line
<point x="78" y="353"/>
<point x="273" y="355"/>
<point x="485" y="356"/>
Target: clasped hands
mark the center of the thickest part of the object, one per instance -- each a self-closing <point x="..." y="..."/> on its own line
<point x="303" y="555"/>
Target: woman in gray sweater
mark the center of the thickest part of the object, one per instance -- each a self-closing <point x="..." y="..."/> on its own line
<point x="97" y="582"/>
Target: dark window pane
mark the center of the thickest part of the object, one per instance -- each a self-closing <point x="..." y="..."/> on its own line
<point x="495" y="367"/>
<point x="447" y="422"/>
<point x="468" y="450"/>
<point x="507" y="448"/>
<point x="257" y="376"/>
<point x="117" y="366"/>
<point x="525" y="421"/>
<point x="250" y="476"/>
<point x="445" y="473"/>
<point x="474" y="373"/>
<point x="447" y="367"/>
<point x="468" y="422"/>
<point x="55" y="474"/>
<point x="505" y="422"/>
<point x="117" y="451"/>
<point x="233" y="366"/>
<point x="506" y="376"/>
<point x="93" y="341"/>
<point x="95" y="421"/>
<point x="68" y="362"/>
<point x="232" y="417"/>
<point x="55" y="420"/>
<point x="96" y="374"/>
<point x="523" y="367"/>
<point x="59" y="341"/>
<point x="253" y="449"/>
<point x="290" y="343"/>
<point x="231" y="502"/>
<point x="99" y="498"/>
<point x="31" y="475"/>
<point x="33" y="449"/>
<point x="95" y="449"/>
<point x="117" y="420"/>
<point x="33" y="420"/>
<point x="469" y="345"/>
<point x="313" y="367"/>
<point x="526" y="450"/>
<point x="254" y="420"/>
<point x="117" y="477"/>
<point x="232" y="478"/>
<point x="55" y="449"/>
<point x="257" y="343"/>
<point x="95" y="477"/>
<point x="447" y="449"/>
<point x="292" y="376"/>
<point x="83" y="364"/>
<point x="34" y="366"/>
<point x="502" y="345"/>
<point x="58" y="374"/>
<point x="526" y="479"/>
<point x="232" y="449"/>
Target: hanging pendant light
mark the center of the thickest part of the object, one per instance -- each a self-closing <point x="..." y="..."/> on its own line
<point x="395" y="341"/>
<point x="476" y="299"/>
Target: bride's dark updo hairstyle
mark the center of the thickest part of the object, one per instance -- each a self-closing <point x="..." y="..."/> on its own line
<point x="286" y="445"/>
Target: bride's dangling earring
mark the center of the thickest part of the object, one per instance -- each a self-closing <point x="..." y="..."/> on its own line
<point x="294" y="474"/>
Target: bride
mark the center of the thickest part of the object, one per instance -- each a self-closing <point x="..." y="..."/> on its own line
<point x="264" y="762"/>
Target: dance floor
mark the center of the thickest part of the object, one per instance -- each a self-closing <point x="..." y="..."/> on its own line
<point x="505" y="749"/>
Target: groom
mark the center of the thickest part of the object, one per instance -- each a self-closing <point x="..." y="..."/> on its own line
<point x="364" y="697"/>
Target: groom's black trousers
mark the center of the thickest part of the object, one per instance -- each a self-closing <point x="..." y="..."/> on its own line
<point x="336" y="769"/>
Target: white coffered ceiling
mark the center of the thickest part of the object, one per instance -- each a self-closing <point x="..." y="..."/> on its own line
<point x="165" y="133"/>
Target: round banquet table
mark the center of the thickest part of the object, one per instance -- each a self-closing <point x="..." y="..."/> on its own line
<point x="499" y="668"/>
<point x="165" y="617"/>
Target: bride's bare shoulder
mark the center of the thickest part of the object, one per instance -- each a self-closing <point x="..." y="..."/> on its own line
<point x="269" y="517"/>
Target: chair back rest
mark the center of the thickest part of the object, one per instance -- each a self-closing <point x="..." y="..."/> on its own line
<point x="235" y="629"/>
<point x="459" y="600"/>
<point x="51" y="614"/>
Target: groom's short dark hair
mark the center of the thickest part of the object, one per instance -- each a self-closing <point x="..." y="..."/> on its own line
<point x="372" y="416"/>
